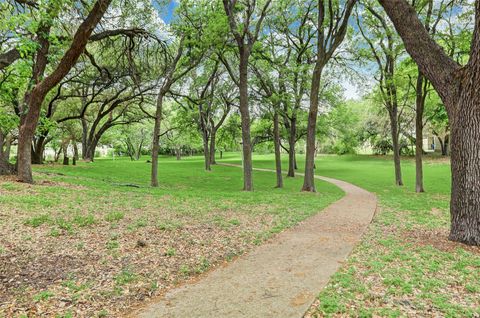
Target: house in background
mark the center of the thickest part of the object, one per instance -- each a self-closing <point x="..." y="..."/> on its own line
<point x="432" y="143"/>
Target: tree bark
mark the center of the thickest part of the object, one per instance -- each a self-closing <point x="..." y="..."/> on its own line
<point x="245" y="121"/>
<point x="84" y="137"/>
<point x="156" y="140"/>
<point x="6" y="168"/>
<point x="38" y="150"/>
<point x="7" y="147"/>
<point x="420" y="104"/>
<point x="212" y="147"/>
<point x="90" y="152"/>
<point x="65" y="154"/>
<point x="276" y="142"/>
<point x="75" y="150"/>
<point x="308" y="180"/>
<point x="291" y="147"/>
<point x="206" y="152"/>
<point x="465" y="162"/>
<point x="445" y="146"/>
<point x="396" y="145"/>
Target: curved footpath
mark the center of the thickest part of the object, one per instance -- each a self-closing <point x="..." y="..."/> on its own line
<point x="279" y="278"/>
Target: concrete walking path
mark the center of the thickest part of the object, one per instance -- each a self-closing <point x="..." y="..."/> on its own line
<point x="279" y="278"/>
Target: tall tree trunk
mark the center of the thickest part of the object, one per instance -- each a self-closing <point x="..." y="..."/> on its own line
<point x="91" y="145"/>
<point x="276" y="142"/>
<point x="420" y="103"/>
<point x="245" y="120"/>
<point x="75" y="150"/>
<point x="7" y="147"/>
<point x="65" y="154"/>
<point x="213" y="134"/>
<point x="156" y="140"/>
<point x="206" y="152"/>
<point x="308" y="180"/>
<point x="440" y="140"/>
<point x="6" y="168"/>
<point x="2" y="144"/>
<point x="178" y="153"/>
<point x="465" y="165"/>
<point x="90" y="152"/>
<point x="84" y="137"/>
<point x="38" y="150"/>
<point x="445" y="146"/>
<point x="396" y="146"/>
<point x="291" y="147"/>
<point x="205" y="137"/>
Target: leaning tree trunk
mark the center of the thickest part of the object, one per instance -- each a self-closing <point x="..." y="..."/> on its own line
<point x="245" y="122"/>
<point x="291" y="148"/>
<point x="156" y="140"/>
<point x="396" y="146"/>
<point x="34" y="99"/>
<point x="276" y="142"/>
<point x="28" y="124"/>
<point x="420" y="102"/>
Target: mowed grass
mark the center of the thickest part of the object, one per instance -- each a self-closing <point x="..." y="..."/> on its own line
<point x="92" y="240"/>
<point x="404" y="266"/>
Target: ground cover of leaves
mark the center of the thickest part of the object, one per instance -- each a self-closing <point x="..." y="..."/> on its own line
<point x="82" y="242"/>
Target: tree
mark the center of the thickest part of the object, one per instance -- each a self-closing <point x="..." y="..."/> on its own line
<point x="245" y="30"/>
<point x="182" y="55"/>
<point x="332" y="23"/>
<point x="457" y="86"/>
<point x="42" y="85"/>
<point x="292" y="35"/>
<point x="200" y="98"/>
<point x="385" y="51"/>
<point x="422" y="88"/>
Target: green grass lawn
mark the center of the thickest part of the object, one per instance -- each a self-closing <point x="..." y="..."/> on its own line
<point x="404" y="266"/>
<point x="80" y="242"/>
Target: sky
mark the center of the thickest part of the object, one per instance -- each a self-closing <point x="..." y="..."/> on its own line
<point x="166" y="13"/>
